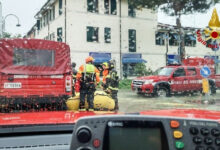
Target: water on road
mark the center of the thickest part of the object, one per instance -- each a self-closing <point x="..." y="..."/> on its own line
<point x="129" y="101"/>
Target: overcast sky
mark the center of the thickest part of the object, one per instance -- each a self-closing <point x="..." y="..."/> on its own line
<point x="26" y="9"/>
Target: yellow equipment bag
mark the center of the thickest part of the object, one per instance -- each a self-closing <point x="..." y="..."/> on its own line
<point x="101" y="102"/>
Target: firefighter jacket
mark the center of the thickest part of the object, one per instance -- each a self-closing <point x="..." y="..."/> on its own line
<point x="88" y="73"/>
<point x="105" y="74"/>
<point x="112" y="80"/>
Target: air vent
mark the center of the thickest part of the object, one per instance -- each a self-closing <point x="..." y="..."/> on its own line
<point x="39" y="147"/>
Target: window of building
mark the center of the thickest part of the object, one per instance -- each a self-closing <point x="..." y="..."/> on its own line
<point x="92" y="6"/>
<point x="190" y="40"/>
<point x="132" y="40"/>
<point x="160" y="38"/>
<point x="52" y="37"/>
<point x="60" y="7"/>
<point x="131" y="10"/>
<point x="106" y="4"/>
<point x="38" y="24"/>
<point x="173" y="39"/>
<point x="59" y="34"/>
<point x="53" y="12"/>
<point x="46" y="19"/>
<point x="113" y="7"/>
<point x="41" y="23"/>
<point x="92" y="34"/>
<point x="107" y="35"/>
<point x="110" y="7"/>
<point x="50" y="14"/>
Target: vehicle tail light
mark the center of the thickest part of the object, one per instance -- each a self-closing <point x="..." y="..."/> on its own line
<point x="68" y="84"/>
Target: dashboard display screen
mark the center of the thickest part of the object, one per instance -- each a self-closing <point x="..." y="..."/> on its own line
<point x="128" y="137"/>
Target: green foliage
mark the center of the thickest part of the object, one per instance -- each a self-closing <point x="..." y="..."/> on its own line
<point x="125" y="84"/>
<point x="140" y="70"/>
<point x="175" y="7"/>
<point x="9" y="35"/>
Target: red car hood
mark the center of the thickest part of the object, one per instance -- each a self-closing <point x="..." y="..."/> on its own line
<point x="66" y="117"/>
<point x="152" y="78"/>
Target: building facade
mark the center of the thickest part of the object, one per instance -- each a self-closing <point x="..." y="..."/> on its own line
<point x="112" y="29"/>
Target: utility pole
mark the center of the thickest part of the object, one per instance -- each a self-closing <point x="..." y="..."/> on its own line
<point x="1" y="21"/>
<point x="167" y="40"/>
<point x="120" y="40"/>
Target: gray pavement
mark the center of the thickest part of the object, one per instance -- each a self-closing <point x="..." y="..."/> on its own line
<point x="129" y="101"/>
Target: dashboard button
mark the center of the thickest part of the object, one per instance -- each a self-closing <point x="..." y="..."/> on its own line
<point x="174" y="124"/>
<point x="177" y="134"/>
<point x="210" y="148"/>
<point x="96" y="143"/>
<point x="200" y="148"/>
<point x="217" y="141"/>
<point x="194" y="130"/>
<point x="197" y="140"/>
<point x="208" y="141"/>
<point x="84" y="135"/>
<point x="204" y="131"/>
<point x="179" y="145"/>
<point x="215" y="132"/>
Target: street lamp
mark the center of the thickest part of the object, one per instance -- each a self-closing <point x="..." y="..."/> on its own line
<point x="2" y="21"/>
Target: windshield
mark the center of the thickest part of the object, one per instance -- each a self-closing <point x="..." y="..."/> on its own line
<point x="163" y="72"/>
<point x="104" y="55"/>
<point x="33" y="57"/>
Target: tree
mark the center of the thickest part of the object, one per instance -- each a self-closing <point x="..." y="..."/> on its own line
<point x="140" y="69"/>
<point x="9" y="35"/>
<point x="176" y="8"/>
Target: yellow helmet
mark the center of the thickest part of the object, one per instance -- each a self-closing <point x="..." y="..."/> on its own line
<point x="105" y="64"/>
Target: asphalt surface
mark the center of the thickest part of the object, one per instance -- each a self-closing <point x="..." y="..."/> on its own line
<point x="130" y="102"/>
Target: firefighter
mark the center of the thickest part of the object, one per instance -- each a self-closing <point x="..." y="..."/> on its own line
<point x="111" y="82"/>
<point x="74" y="73"/>
<point x="105" y="73"/>
<point x="88" y="75"/>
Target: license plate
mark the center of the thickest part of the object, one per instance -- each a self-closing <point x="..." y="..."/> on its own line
<point x="135" y="88"/>
<point x="12" y="85"/>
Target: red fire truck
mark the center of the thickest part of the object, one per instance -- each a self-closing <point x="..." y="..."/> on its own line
<point x="34" y="75"/>
<point x="177" y="78"/>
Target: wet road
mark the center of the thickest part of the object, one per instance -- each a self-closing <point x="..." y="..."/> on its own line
<point x="129" y="101"/>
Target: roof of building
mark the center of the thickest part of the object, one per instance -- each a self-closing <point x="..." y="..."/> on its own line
<point x="174" y="27"/>
<point x="45" y="7"/>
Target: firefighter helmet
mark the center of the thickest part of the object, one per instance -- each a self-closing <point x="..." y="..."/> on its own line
<point x="106" y="65"/>
<point x="89" y="59"/>
<point x="111" y="65"/>
<point x="73" y="64"/>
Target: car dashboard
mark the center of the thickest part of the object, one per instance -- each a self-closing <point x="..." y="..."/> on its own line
<point x="109" y="131"/>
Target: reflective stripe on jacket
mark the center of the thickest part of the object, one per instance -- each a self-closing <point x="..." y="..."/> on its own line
<point x="90" y="68"/>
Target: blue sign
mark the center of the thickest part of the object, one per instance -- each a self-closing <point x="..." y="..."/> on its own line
<point x="205" y="72"/>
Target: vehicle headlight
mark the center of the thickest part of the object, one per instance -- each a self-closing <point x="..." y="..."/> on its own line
<point x="148" y="81"/>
